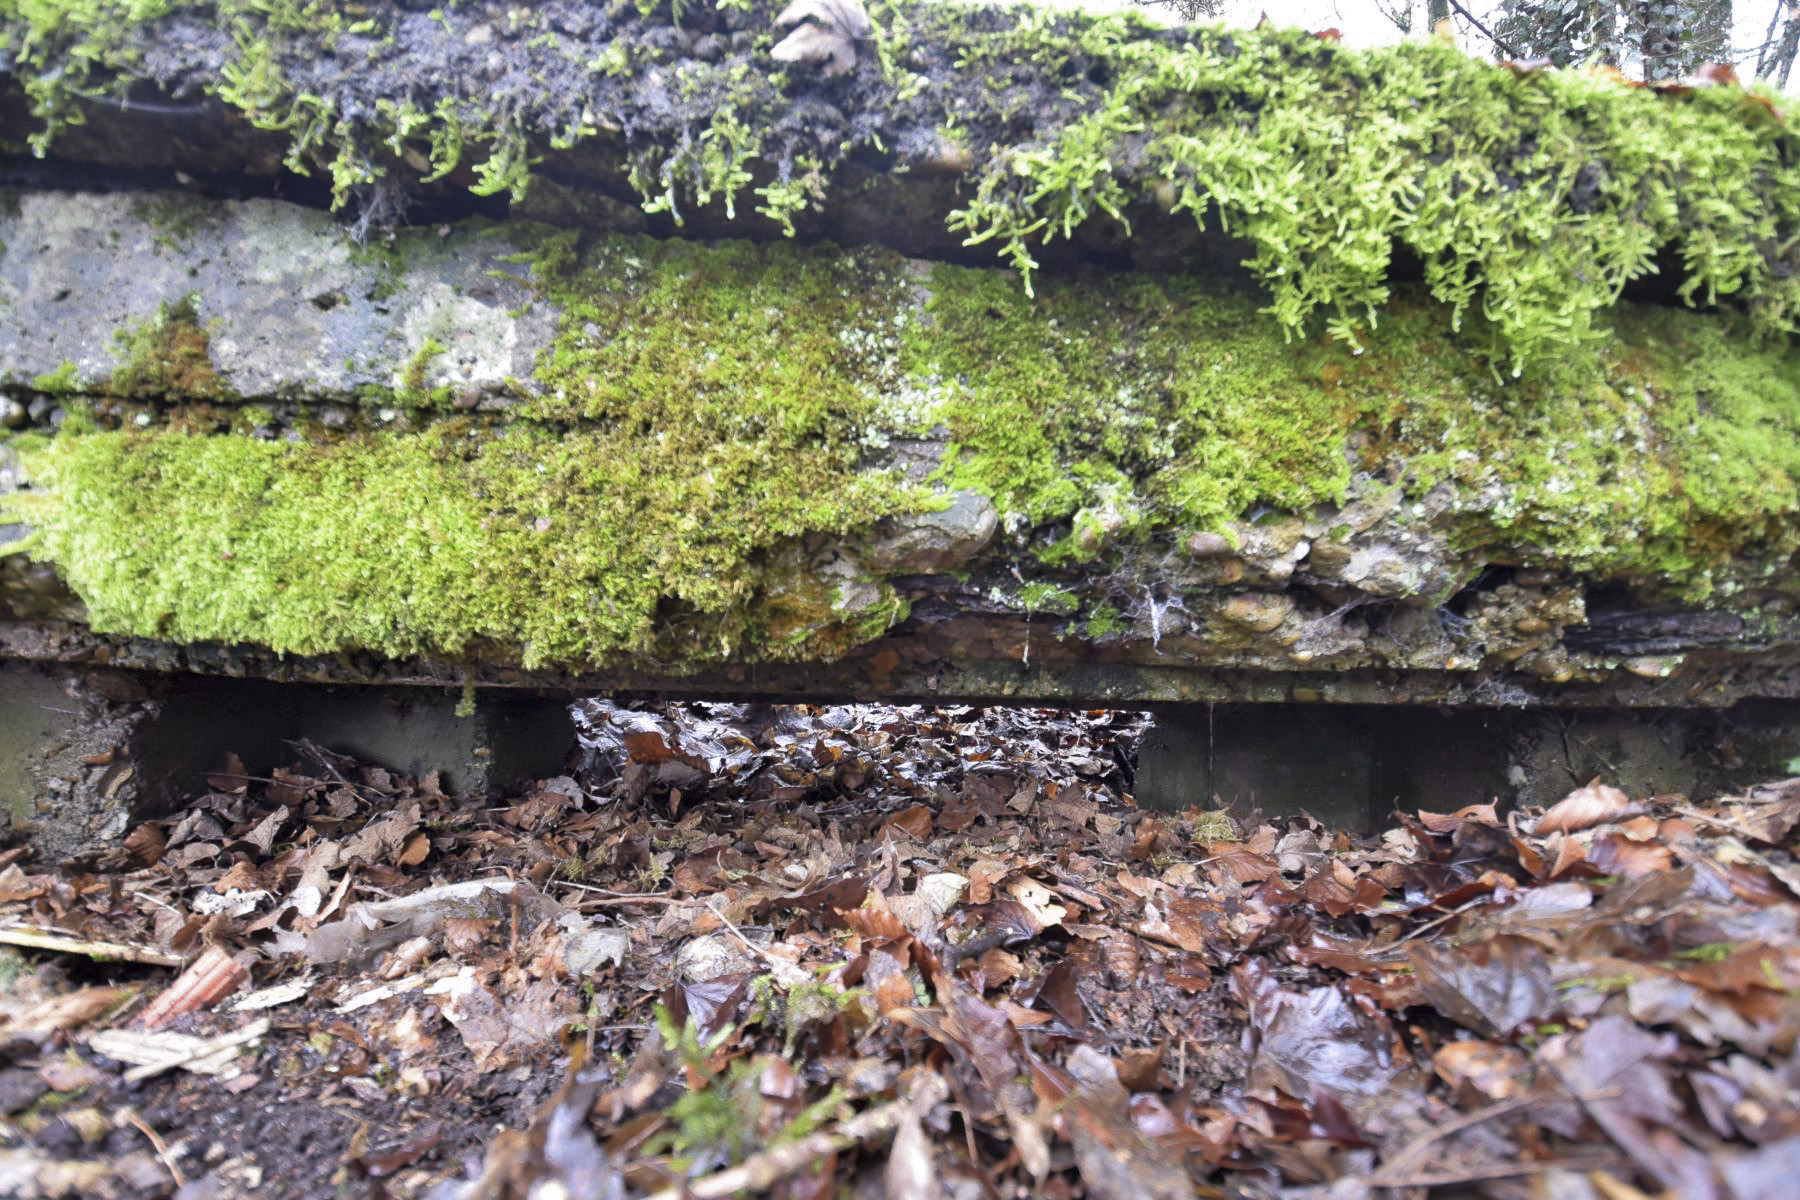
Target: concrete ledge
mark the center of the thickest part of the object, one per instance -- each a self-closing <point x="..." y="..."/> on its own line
<point x="516" y="451"/>
<point x="1352" y="766"/>
<point x="85" y="753"/>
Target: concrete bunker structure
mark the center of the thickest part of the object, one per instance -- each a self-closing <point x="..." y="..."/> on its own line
<point x="1389" y="410"/>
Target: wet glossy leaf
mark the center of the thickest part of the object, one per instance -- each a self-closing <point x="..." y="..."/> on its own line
<point x="1493" y="988"/>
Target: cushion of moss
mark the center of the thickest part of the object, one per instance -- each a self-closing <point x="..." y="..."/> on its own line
<point x="723" y="401"/>
<point x="557" y="544"/>
<point x="1655" y="454"/>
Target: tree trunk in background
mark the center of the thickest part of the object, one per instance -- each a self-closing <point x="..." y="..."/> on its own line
<point x="1606" y="33"/>
<point x="1659" y="39"/>
<point x="1708" y="34"/>
<point x="1675" y="37"/>
<point x="1775" y="63"/>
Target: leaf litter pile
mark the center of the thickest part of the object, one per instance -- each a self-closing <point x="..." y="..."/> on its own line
<point x="862" y="951"/>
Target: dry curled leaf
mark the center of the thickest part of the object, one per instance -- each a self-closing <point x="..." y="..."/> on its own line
<point x="827" y="33"/>
<point x="1586" y="807"/>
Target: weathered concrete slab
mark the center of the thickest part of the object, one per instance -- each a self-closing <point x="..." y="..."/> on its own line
<point x="481" y="747"/>
<point x="1316" y="759"/>
<point x="1360" y="450"/>
<point x="651" y="466"/>
<point x="84" y="753"/>
<point x="289" y="307"/>
<point x="948" y="130"/>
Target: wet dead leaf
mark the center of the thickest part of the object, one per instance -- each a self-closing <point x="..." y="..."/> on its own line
<point x="914" y="822"/>
<point x="911" y="1173"/>
<point x="1493" y="988"/>
<point x="1316" y="1040"/>
<point x="1618" y="854"/>
<point x="1116" y="1161"/>
<point x="1039" y="901"/>
<point x="1494" y="1071"/>
<point x="228" y="775"/>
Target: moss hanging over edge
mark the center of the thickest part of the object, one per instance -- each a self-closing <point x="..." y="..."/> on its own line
<point x="708" y="452"/>
<point x="1530" y="199"/>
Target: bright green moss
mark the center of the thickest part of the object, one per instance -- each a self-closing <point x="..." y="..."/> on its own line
<point x="770" y="344"/>
<point x="1528" y="199"/>
<point x="1684" y="455"/>
<point x="168" y="357"/>
<point x="1128" y="403"/>
<point x="414" y="388"/>
<point x="1104" y="620"/>
<point x="739" y="386"/>
<point x="556" y="546"/>
<point x="1048" y="597"/>
<point x="708" y="410"/>
<point x="61" y="382"/>
<point x="722" y="399"/>
<point x="1061" y="405"/>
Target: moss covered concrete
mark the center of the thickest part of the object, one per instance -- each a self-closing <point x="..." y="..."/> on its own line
<point x="717" y="431"/>
<point x="1110" y="406"/>
<point x="1529" y="199"/>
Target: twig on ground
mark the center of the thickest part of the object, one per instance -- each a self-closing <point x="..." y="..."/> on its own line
<point x="600" y="891"/>
<point x="156" y="1143"/>
<point x="1725" y="823"/>
<point x="1501" y="1170"/>
<point x="1459" y="910"/>
<point x="1623" y="1131"/>
<point x="749" y="945"/>
<point x="607" y="899"/>
<point x="1416" y="1149"/>
<point x="37" y="938"/>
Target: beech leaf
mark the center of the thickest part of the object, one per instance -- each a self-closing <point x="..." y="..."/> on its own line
<point x="1586" y="807"/>
<point x="827" y="33"/>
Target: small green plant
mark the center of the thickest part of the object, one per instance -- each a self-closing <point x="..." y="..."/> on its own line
<point x="168" y="356"/>
<point x="723" y="1116"/>
<point x="12" y="967"/>
<point x="61" y="382"/>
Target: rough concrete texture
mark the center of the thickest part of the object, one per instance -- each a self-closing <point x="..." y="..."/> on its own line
<point x="84" y="753"/>
<point x="1281" y="759"/>
<point x="1352" y="766"/>
<point x="1024" y="127"/>
<point x="1373" y="595"/>
<point x="291" y="307"/>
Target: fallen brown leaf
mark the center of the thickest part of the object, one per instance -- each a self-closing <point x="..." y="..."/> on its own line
<point x="1586" y="807"/>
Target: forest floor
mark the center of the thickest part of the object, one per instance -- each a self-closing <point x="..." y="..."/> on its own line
<point x="863" y="951"/>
